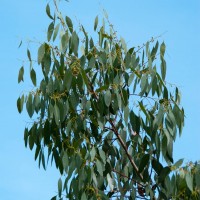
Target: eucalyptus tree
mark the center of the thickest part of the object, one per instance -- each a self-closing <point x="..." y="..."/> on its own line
<point x="104" y="114"/>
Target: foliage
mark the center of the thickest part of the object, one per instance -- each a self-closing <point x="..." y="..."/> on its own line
<point x="105" y="115"/>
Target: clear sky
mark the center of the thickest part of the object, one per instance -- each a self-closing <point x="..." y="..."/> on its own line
<point x="136" y="21"/>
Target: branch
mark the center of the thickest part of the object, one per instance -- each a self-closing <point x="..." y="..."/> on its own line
<point x="125" y="149"/>
<point x="114" y="170"/>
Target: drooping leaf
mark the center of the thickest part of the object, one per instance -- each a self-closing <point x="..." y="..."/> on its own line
<point x="50" y="31"/>
<point x="57" y="114"/>
<point x="64" y="41"/>
<point x="56" y="31"/>
<point x="92" y="153"/>
<point x="69" y="24"/>
<point x="48" y="11"/>
<point x="29" y="54"/>
<point x="33" y="76"/>
<point x="107" y="98"/>
<point x="29" y="105"/>
<point x="189" y="180"/>
<point x="60" y="187"/>
<point x="164" y="172"/>
<point x="162" y="50"/>
<point x="41" y="52"/>
<point x="96" y="23"/>
<point x="20" y="102"/>
<point x="21" y="75"/>
<point x="143" y="163"/>
<point x="99" y="167"/>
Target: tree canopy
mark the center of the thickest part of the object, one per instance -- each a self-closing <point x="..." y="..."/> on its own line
<point x="105" y="115"/>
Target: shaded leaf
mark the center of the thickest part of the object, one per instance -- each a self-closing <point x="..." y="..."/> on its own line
<point x="164" y="172"/>
<point x="29" y="54"/>
<point x="56" y="114"/>
<point x="69" y="24"/>
<point x="107" y="98"/>
<point x="48" y="11"/>
<point x="59" y="187"/>
<point x="21" y="75"/>
<point x="143" y="163"/>
<point x="33" y="76"/>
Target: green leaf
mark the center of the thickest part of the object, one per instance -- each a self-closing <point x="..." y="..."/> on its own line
<point x="163" y="69"/>
<point x="21" y="75"/>
<point x="126" y="114"/>
<point x="59" y="187"/>
<point x="67" y="79"/>
<point x="99" y="167"/>
<point x="107" y="98"/>
<point x="96" y="23"/>
<point x="41" y="52"/>
<point x="64" y="42"/>
<point x="74" y="43"/>
<point x="92" y="153"/>
<point x="20" y="102"/>
<point x="29" y="54"/>
<point x="83" y="196"/>
<point x="130" y="80"/>
<point x="165" y="171"/>
<point x="31" y="142"/>
<point x="157" y="166"/>
<point x="189" y="181"/>
<point x="54" y="198"/>
<point x="69" y="24"/>
<point x="144" y="162"/>
<point x="143" y="109"/>
<point x="102" y="155"/>
<point x="135" y="122"/>
<point x="162" y="50"/>
<point x="56" y="114"/>
<point x="85" y="78"/>
<point x="56" y="32"/>
<point x="102" y="88"/>
<point x="48" y="11"/>
<point x="33" y="76"/>
<point x="159" y="116"/>
<point x="29" y="105"/>
<point x="179" y="163"/>
<point x="50" y="31"/>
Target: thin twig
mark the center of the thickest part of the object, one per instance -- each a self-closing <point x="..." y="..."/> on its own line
<point x="114" y="170"/>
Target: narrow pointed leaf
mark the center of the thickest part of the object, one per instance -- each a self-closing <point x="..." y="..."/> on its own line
<point x="33" y="76"/>
<point x="69" y="24"/>
<point x="21" y="75"/>
<point x="96" y="23"/>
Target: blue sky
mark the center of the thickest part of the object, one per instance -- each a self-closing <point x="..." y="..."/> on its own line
<point x="136" y="21"/>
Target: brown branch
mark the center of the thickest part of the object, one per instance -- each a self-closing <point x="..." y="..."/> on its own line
<point x="126" y="150"/>
<point x="114" y="170"/>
